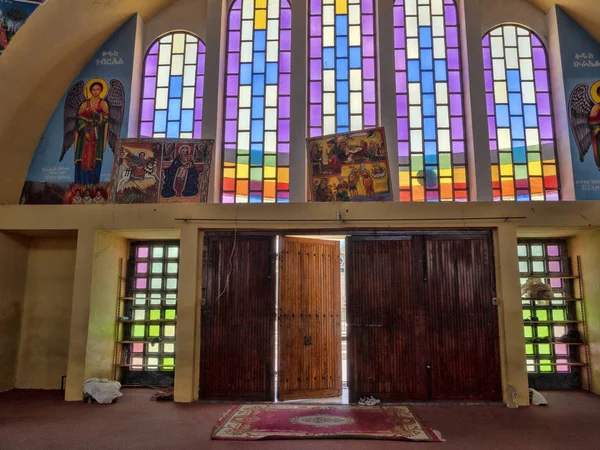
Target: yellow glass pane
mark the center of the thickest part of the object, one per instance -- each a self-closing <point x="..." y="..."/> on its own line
<point x="460" y="175"/>
<point x="404" y="178"/>
<point x="242" y="170"/>
<point x="341" y="6"/>
<point x="270" y="172"/>
<point x="283" y="175"/>
<point x="260" y="19"/>
<point x="260" y="4"/>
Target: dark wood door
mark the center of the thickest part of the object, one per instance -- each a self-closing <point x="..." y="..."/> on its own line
<point x="309" y="319"/>
<point x="464" y="354"/>
<point x="386" y="319"/>
<point x="238" y="318"/>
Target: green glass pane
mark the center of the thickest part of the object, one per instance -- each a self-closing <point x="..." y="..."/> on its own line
<point x="154" y="330"/>
<point x="157" y="252"/>
<point x="542" y="315"/>
<point x="526" y="314"/>
<point x="521" y="172"/>
<point x="528" y="331"/>
<point x="523" y="267"/>
<point x="537" y="250"/>
<point x="417" y="162"/>
<point x="171" y="283"/>
<point x="156" y="283"/>
<point x="157" y="267"/>
<point x="270" y="161"/>
<point x="522" y="249"/>
<point x="445" y="161"/>
<point x="538" y="267"/>
<point x="529" y="349"/>
<point x="172" y="267"/>
<point x="168" y="362"/>
<point x="170" y="314"/>
<point x="544" y="349"/>
<point x="256" y="174"/>
<point x="545" y="365"/>
<point x="138" y="331"/>
<point x="543" y="331"/>
<point x="559" y="314"/>
<point x="173" y="252"/>
<point x="155" y="314"/>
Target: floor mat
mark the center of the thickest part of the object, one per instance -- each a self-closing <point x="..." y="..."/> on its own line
<point x="271" y="421"/>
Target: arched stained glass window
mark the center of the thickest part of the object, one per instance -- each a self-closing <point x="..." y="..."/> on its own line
<point x="521" y="127"/>
<point x="342" y="66"/>
<point x="257" y="102"/>
<point x="173" y="87"/>
<point x="429" y="101"/>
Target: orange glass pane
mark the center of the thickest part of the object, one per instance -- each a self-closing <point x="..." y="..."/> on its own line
<point x="418" y="193"/>
<point x="536" y="185"/>
<point x="242" y="187"/>
<point x="269" y="189"/>
<point x="446" y="191"/>
<point x="460" y="178"/>
<point x="508" y="188"/>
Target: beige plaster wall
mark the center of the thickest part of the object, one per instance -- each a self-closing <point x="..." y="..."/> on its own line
<point x="13" y="269"/>
<point x="46" y="313"/>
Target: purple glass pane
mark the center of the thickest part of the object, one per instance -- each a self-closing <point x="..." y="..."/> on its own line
<point x="151" y="65"/>
<point x="231" y="108"/>
<point x="541" y="80"/>
<point x="148" y="110"/>
<point x="197" y="130"/>
<point x="285" y="62"/>
<point x="315" y="115"/>
<point x="154" y="49"/>
<point x="146" y="129"/>
<point x="543" y="101"/>
<point x="369" y="68"/>
<point x="432" y="196"/>
<point x="230" y="130"/>
<point x="149" y="87"/>
<point x="453" y="59"/>
<point x="198" y="109"/>
<point x="399" y="38"/>
<point x="367" y="6"/>
<point x="233" y="63"/>
<point x="285" y="40"/>
<point x="561" y="349"/>
<point x="369" y="91"/>
<point x="456" y="105"/>
<point x="487" y="58"/>
<point x="454" y="82"/>
<point x="553" y="250"/>
<point x="142" y="267"/>
<point x="403" y="148"/>
<point x="235" y="19"/>
<point x="457" y="128"/>
<point x="200" y="86"/>
<point x="554" y="266"/>
<point x="368" y="46"/>
<point x="232" y="85"/>
<point x="315" y="69"/>
<point x="367" y="25"/>
<point x="315" y="92"/>
<point x="539" y="58"/>
<point x="401" y="85"/>
<point x="450" y="15"/>
<point x="399" y="14"/>
<point x="370" y="118"/>
<point x="142" y="252"/>
<point x="489" y="81"/>
<point x="285" y="21"/>
<point x="201" y="47"/>
<point x="535" y="41"/>
<point x="555" y="283"/>
<point x="315" y="26"/>
<point x="486" y="40"/>
<point x="228" y="198"/>
<point x="141" y="283"/>
<point x="315" y="6"/>
<point x="201" y="61"/>
<point x="315" y="47"/>
<point x="284" y="130"/>
<point x="546" y="131"/>
<point x="458" y="148"/>
<point x="255" y="185"/>
<point x="234" y="41"/>
<point x="284" y="84"/>
<point x="403" y="129"/>
<point x="489" y="101"/>
<point x="400" y="60"/>
<point x="492" y="127"/>
<point x="493" y="145"/>
<point x="284" y="107"/>
<point x="402" y="105"/>
<point x="452" y="36"/>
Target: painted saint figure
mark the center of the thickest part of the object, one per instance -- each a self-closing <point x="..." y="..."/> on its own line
<point x="181" y="178"/>
<point x="584" y="114"/>
<point x="93" y="118"/>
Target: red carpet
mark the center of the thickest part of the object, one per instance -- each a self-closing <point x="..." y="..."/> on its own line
<point x="256" y="422"/>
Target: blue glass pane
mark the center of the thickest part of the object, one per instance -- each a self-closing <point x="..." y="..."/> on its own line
<point x="341" y="25"/>
<point x="160" y="121"/>
<point x="272" y="73"/>
<point x="430" y="149"/>
<point x="530" y="115"/>
<point x="175" y="86"/>
<point x="187" y="121"/>
<point x="426" y="59"/>
<point x="523" y="197"/>
<point x="517" y="128"/>
<point x="255" y="197"/>
<point x="342" y="91"/>
<point x="258" y="107"/>
<point x="257" y="130"/>
<point x="502" y="116"/>
<point x="259" y="62"/>
<point x="342" y="114"/>
<point x="260" y="40"/>
<point x="413" y="70"/>
<point x="516" y="104"/>
<point x="341" y="44"/>
<point x="174" y="109"/>
<point x="519" y="155"/>
<point x="258" y="85"/>
<point x="246" y="74"/>
<point x="441" y="70"/>
<point x="355" y="58"/>
<point x="328" y="58"/>
<point x="342" y="129"/>
<point x="427" y="83"/>
<point x="429" y="128"/>
<point x="173" y="130"/>
<point x="513" y="80"/>
<point x="342" y="69"/>
<point x="425" y="37"/>
<point x="256" y="157"/>
<point x="430" y="159"/>
<point x="428" y="105"/>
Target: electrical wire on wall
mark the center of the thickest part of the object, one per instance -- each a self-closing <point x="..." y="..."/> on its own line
<point x="230" y="270"/>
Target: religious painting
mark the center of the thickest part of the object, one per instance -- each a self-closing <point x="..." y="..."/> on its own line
<point x="136" y="172"/>
<point x="13" y="15"/>
<point x="186" y="168"/>
<point x="584" y="115"/>
<point x="349" y="167"/>
<point x="73" y="161"/>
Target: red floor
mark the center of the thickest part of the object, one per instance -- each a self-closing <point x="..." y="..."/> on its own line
<point x="41" y="420"/>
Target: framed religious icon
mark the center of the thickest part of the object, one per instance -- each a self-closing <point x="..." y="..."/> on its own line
<point x="349" y="167"/>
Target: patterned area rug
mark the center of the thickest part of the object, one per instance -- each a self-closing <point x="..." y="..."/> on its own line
<point x="268" y="421"/>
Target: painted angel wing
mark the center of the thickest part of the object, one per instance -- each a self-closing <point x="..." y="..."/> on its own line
<point x="74" y="100"/>
<point x="116" y="110"/>
<point x="580" y="106"/>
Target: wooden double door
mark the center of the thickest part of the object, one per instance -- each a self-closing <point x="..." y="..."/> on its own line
<point x="420" y="317"/>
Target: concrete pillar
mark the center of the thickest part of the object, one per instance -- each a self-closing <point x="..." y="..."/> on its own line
<point x="188" y="315"/>
<point x="478" y="145"/>
<point x="510" y="314"/>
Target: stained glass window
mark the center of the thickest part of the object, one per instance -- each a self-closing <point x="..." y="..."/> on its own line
<point x="256" y="137"/>
<point x="429" y="101"/>
<point x="149" y="315"/>
<point x="342" y="66"/>
<point x="522" y="141"/>
<point x="173" y="87"/>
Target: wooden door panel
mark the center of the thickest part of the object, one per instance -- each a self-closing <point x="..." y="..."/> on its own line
<point x="463" y="323"/>
<point x="309" y="308"/>
<point x="238" y="319"/>
<point x="387" y="335"/>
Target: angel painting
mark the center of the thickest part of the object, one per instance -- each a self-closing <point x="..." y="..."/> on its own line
<point x="93" y="117"/>
<point x="584" y="114"/>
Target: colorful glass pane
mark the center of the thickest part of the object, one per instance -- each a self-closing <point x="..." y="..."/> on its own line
<point x="521" y="126"/>
<point x="342" y="70"/>
<point x="429" y="102"/>
<point x="256" y="136"/>
<point x="173" y="87"/>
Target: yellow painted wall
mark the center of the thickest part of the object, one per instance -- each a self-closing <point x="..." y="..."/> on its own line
<point x="13" y="269"/>
<point x="46" y="313"/>
<point x="587" y="246"/>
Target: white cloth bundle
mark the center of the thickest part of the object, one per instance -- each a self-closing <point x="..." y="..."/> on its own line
<point x="102" y="390"/>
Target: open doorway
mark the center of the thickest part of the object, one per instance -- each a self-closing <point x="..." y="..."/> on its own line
<point x="310" y="329"/>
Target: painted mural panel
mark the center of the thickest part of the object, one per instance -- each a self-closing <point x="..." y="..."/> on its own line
<point x="13" y="15"/>
<point x="161" y="171"/>
<point x="580" y="55"/>
<point x="75" y="153"/>
<point x="349" y="167"/>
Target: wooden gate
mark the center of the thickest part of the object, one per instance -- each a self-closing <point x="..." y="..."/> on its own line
<point x="421" y="323"/>
<point x="238" y="318"/>
<point x="309" y="319"/>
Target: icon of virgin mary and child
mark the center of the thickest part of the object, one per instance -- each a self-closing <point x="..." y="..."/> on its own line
<point x="181" y="178"/>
